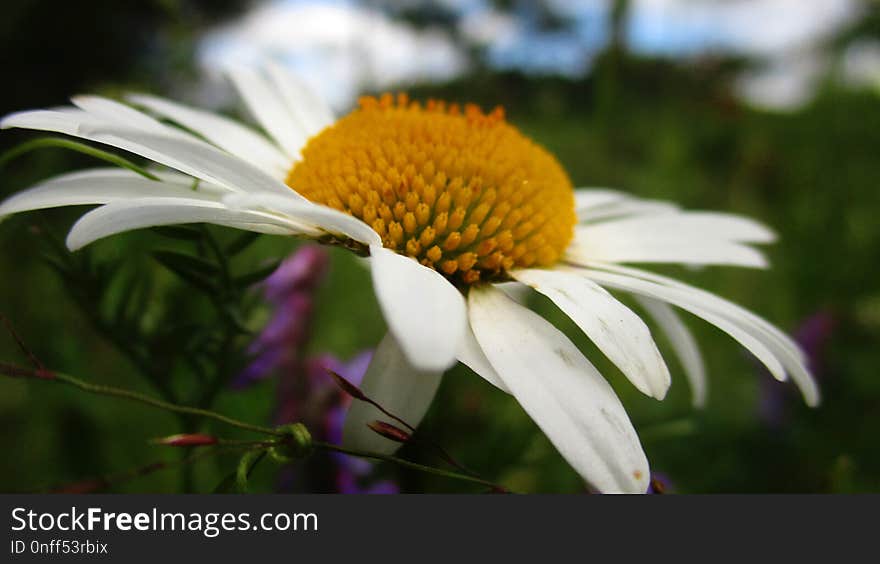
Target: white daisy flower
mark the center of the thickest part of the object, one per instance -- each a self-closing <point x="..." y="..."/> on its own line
<point x="455" y="208"/>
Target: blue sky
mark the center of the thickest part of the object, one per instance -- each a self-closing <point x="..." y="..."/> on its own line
<point x="341" y="47"/>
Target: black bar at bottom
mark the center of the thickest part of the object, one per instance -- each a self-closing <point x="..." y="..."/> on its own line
<point x="238" y="528"/>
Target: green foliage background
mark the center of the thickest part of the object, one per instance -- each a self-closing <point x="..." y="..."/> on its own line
<point x="656" y="128"/>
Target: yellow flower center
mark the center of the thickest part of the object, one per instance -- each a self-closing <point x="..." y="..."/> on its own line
<point x="460" y="191"/>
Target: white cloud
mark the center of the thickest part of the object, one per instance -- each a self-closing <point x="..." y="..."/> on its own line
<point x="752" y="27"/>
<point x="339" y="48"/>
<point x="342" y="48"/>
<point x="490" y="27"/>
<point x="785" y="35"/>
<point x="785" y="83"/>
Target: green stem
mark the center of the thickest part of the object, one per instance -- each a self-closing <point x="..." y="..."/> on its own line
<point x="103" y="482"/>
<point x="15" y="371"/>
<point x="182" y="409"/>
<point x="407" y="464"/>
<point x="74" y="146"/>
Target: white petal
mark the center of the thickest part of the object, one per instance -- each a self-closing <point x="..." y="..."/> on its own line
<point x="516" y="291"/>
<point x="618" y="332"/>
<point x="127" y="215"/>
<point x="187" y="155"/>
<point x="322" y="218"/>
<point x="62" y="120"/>
<point x="683" y="343"/>
<point x="223" y="132"/>
<point x="112" y="111"/>
<point x="586" y="199"/>
<point x="683" y="225"/>
<point x="424" y="311"/>
<point x="101" y="186"/>
<point x="731" y="309"/>
<point x="627" y="208"/>
<point x="471" y="355"/>
<point x="594" y="244"/>
<point x="266" y="104"/>
<point x="192" y="157"/>
<point x="597" y="204"/>
<point x="312" y="112"/>
<point x="686" y="302"/>
<point x="561" y="391"/>
<point x="770" y="345"/>
<point x="399" y="388"/>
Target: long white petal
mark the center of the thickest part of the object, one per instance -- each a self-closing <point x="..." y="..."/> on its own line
<point x="187" y="155"/>
<point x="424" y="311"/>
<point x="120" y="216"/>
<point x="683" y="343"/>
<point x="471" y="355"/>
<point x="747" y="339"/>
<point x="322" y="218"/>
<point x="559" y="388"/>
<point x="681" y="226"/>
<point x="115" y="112"/>
<point x="398" y="387"/>
<point x="101" y="186"/>
<point x="772" y="347"/>
<point x="762" y="325"/>
<point x="223" y="132"/>
<point x="592" y="245"/>
<point x="194" y="158"/>
<point x="586" y="199"/>
<point x="618" y="332"/>
<point x="312" y="112"/>
<point x="598" y="204"/>
<point x="627" y="208"/>
<point x="62" y="120"/>
<point x="266" y="104"/>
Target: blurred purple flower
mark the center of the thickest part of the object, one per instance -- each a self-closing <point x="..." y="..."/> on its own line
<point x="660" y="484"/>
<point x="291" y="289"/>
<point x="306" y="393"/>
<point x="812" y="335"/>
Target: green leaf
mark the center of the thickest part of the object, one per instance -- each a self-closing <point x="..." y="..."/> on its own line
<point x="258" y="275"/>
<point x="242" y="242"/>
<point x="237" y="482"/>
<point x="74" y="146"/>
<point x="187" y="262"/>
<point x="197" y="272"/>
<point x="245" y="466"/>
<point x="180" y="232"/>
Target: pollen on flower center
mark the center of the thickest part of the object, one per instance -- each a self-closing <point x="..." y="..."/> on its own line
<point x="459" y="190"/>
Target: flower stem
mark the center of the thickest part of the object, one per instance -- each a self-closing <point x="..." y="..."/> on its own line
<point x="141" y="398"/>
<point x="43" y="374"/>
<point x="408" y="464"/>
<point x="74" y="146"/>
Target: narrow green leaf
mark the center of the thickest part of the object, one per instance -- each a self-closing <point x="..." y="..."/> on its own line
<point x="237" y="482"/>
<point x="187" y="262"/>
<point x="74" y="146"/>
<point x="258" y="275"/>
<point x="180" y="232"/>
<point x="197" y="274"/>
<point x="242" y="242"/>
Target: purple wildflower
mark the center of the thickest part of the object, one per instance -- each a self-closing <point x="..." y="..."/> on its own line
<point x="812" y="335"/>
<point x="306" y="393"/>
<point x="291" y="289"/>
<point x="660" y="484"/>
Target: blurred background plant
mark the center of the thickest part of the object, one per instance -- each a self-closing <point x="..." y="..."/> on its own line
<point x="764" y="107"/>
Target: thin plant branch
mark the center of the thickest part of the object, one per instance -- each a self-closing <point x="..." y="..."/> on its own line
<point x="409" y="464"/>
<point x="18" y="371"/>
